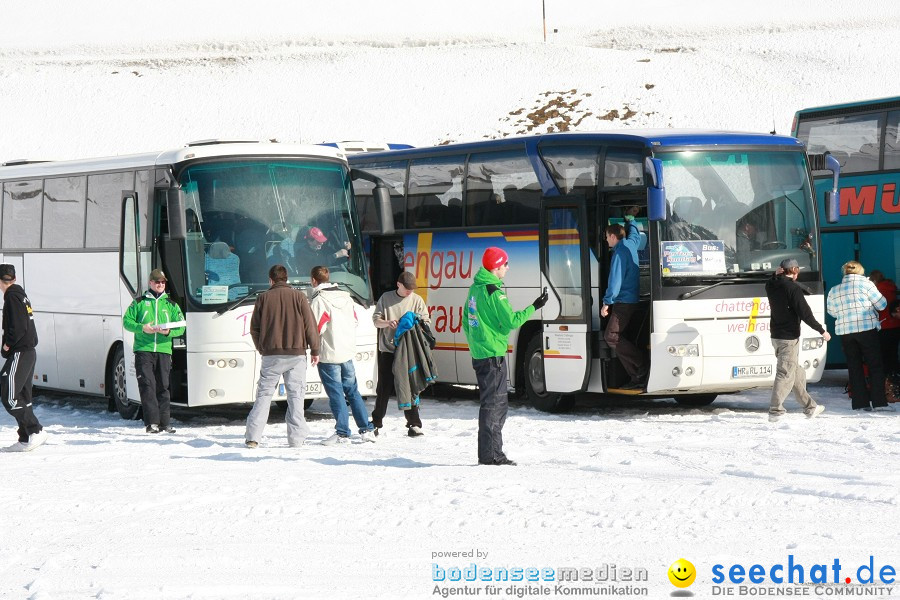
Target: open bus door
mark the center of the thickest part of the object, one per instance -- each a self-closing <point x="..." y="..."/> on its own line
<point x="565" y="342"/>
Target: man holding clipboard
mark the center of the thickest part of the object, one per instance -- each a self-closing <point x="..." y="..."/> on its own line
<point x="154" y="320"/>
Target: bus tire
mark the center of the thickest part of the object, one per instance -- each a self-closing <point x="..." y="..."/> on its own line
<point x="307" y="402"/>
<point x="115" y="385"/>
<point x="696" y="399"/>
<point x="533" y="375"/>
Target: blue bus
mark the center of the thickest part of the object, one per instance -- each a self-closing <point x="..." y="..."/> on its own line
<point x="864" y="137"/>
<point x="718" y="213"/>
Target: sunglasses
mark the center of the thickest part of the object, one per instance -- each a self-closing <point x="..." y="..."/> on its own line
<point x="162" y="281"/>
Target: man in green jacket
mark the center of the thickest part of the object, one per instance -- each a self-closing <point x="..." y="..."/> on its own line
<point x="154" y="320"/>
<point x="488" y="322"/>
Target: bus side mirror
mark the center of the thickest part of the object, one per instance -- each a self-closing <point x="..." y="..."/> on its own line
<point x="175" y="214"/>
<point x="832" y="211"/>
<point x="382" y="198"/>
<point x="656" y="191"/>
<point x="826" y="162"/>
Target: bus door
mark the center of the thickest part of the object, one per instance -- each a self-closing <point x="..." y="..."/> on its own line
<point x="565" y="272"/>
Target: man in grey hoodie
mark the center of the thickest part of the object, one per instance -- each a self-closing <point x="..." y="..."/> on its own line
<point x="333" y="309"/>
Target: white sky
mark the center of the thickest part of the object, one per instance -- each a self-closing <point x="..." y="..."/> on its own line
<point x="106" y="512"/>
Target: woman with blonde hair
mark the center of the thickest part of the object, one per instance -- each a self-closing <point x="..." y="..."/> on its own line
<point x="854" y="303"/>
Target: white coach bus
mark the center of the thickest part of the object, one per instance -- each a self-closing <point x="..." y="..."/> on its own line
<point x="718" y="212"/>
<point x="214" y="216"/>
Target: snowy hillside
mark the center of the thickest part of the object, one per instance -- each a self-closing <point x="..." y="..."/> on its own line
<point x="96" y="78"/>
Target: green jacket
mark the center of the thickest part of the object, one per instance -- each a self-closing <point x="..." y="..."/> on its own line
<point x="489" y="317"/>
<point x="150" y="310"/>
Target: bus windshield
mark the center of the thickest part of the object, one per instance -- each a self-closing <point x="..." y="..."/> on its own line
<point x="245" y="216"/>
<point x="735" y="212"/>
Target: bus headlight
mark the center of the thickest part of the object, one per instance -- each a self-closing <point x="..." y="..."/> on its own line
<point x="233" y="363"/>
<point x="364" y="356"/>
<point x="684" y="350"/>
<point x="812" y="343"/>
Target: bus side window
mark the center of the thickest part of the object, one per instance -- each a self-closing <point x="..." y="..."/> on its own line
<point x="892" y="141"/>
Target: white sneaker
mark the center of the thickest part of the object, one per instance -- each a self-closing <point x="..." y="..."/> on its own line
<point x="368" y="436"/>
<point x="35" y="440"/>
<point x="336" y="438"/>
<point x="774" y="418"/>
<point x="17" y="447"/>
<point x="818" y="410"/>
<point x="887" y="408"/>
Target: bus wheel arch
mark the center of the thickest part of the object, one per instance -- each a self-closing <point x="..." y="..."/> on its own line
<point x="532" y="370"/>
<point x="116" y="390"/>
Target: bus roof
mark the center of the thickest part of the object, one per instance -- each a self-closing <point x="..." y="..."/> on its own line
<point x="197" y="150"/>
<point x="836" y="109"/>
<point x="352" y="147"/>
<point x="651" y="138"/>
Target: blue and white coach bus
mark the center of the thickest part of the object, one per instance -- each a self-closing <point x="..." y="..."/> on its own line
<point x="84" y="235"/>
<point x="719" y="212"/>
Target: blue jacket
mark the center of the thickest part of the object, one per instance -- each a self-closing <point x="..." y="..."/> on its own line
<point x="413" y="366"/>
<point x="624" y="275"/>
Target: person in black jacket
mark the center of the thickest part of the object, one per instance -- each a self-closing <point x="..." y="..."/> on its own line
<point x="19" y="341"/>
<point x="788" y="306"/>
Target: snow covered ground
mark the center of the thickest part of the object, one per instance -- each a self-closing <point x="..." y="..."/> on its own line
<point x="105" y="511"/>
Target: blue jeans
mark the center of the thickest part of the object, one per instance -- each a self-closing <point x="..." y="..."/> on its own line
<point x="339" y="381"/>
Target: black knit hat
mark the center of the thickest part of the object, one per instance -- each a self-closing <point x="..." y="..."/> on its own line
<point x="7" y="272"/>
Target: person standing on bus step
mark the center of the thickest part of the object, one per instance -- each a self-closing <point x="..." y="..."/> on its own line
<point x="282" y="328"/>
<point x="19" y="342"/>
<point x="854" y="303"/>
<point x="621" y="299"/>
<point x="487" y="324"/>
<point x="390" y="307"/>
<point x="788" y="305"/>
<point x="889" y="335"/>
<point x="149" y="318"/>
<point x="335" y="316"/>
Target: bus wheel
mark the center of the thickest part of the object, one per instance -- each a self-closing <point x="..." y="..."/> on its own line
<point x="307" y="402"/>
<point x="534" y="382"/>
<point x="115" y="385"/>
<point x="696" y="400"/>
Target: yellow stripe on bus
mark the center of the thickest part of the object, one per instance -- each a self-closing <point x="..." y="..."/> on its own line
<point x="485" y="235"/>
<point x="423" y="245"/>
<point x="751" y="324"/>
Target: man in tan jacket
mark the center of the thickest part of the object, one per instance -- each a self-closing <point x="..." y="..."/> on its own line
<point x="282" y="328"/>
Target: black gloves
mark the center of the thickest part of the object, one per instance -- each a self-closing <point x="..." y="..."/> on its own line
<point x="540" y="300"/>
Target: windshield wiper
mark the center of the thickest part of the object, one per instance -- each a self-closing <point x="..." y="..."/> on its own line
<point x="693" y="293"/>
<point x="239" y="301"/>
<point x="356" y="296"/>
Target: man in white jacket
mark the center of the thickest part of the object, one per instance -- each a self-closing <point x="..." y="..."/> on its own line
<point x="333" y="309"/>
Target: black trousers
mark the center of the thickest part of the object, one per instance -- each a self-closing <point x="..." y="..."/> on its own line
<point x="859" y="348"/>
<point x="492" y="389"/>
<point x="631" y="357"/>
<point x="385" y="389"/>
<point x="890" y="341"/>
<point x="153" y="370"/>
<point x="15" y="388"/>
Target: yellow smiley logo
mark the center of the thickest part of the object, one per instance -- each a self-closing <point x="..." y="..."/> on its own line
<point x="682" y="573"/>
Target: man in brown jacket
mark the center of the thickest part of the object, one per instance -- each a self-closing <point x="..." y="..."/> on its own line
<point x="282" y="328"/>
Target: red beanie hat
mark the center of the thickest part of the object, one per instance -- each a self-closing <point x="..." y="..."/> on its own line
<point x="494" y="257"/>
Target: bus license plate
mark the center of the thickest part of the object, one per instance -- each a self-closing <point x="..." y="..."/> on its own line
<point x="751" y="371"/>
<point x="310" y="388"/>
